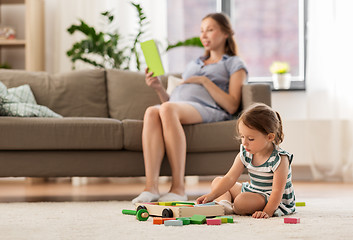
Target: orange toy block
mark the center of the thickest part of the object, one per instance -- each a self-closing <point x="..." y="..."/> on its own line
<point x="157" y="220"/>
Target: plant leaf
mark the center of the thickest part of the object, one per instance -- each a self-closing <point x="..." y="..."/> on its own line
<point x="190" y="42"/>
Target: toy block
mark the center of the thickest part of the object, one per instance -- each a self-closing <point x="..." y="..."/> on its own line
<point x="223" y="219"/>
<point x="129" y="212"/>
<point x="166" y="219"/>
<point x="157" y="220"/>
<point x="165" y="203"/>
<point x="142" y="215"/>
<point x="198" y="219"/>
<point x="182" y="203"/>
<point x="149" y="203"/>
<point x="173" y="223"/>
<point x="229" y="219"/>
<point x="186" y="221"/>
<point x="300" y="204"/>
<point x="292" y="220"/>
<point x="214" y="221"/>
<point x="205" y="204"/>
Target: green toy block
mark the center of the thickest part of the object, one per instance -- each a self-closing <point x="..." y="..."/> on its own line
<point x="129" y="212"/>
<point x="198" y="219"/>
<point x="229" y="219"/>
<point x="186" y="220"/>
<point x="226" y="219"/>
<point x="300" y="204"/>
<point x="182" y="203"/>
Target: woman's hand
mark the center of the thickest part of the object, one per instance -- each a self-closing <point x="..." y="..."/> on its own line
<point x="260" y="214"/>
<point x="152" y="82"/>
<point x="197" y="80"/>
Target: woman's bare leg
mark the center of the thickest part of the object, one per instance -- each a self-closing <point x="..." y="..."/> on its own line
<point x="153" y="148"/>
<point x="173" y="115"/>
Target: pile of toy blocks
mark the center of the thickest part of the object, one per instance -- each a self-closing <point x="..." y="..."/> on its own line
<point x="195" y="219"/>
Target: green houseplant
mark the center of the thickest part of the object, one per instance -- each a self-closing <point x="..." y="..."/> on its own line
<point x="103" y="49"/>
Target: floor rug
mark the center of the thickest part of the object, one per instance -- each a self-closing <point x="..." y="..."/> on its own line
<point x="321" y="218"/>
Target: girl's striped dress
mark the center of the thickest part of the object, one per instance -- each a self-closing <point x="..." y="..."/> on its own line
<point x="261" y="179"/>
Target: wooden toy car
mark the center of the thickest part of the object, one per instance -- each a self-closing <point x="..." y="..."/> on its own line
<point x="181" y="209"/>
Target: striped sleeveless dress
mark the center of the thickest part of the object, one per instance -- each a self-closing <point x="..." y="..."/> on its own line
<point x="261" y="179"/>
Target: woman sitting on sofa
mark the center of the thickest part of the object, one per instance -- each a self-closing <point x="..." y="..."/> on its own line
<point x="210" y="92"/>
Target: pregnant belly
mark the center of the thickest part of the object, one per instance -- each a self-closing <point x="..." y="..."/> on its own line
<point x="193" y="93"/>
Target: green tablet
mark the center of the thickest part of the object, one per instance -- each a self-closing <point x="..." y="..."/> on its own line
<point x="152" y="57"/>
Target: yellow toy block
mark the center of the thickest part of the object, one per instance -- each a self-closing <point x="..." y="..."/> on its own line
<point x="165" y="203"/>
<point x="300" y="204"/>
<point x="223" y="219"/>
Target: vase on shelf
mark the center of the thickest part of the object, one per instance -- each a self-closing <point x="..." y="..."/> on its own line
<point x="281" y="81"/>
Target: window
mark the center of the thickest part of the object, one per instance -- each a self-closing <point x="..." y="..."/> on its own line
<point x="265" y="31"/>
<point x="184" y="19"/>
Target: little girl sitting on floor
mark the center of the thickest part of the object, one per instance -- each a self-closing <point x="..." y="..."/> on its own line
<point x="270" y="191"/>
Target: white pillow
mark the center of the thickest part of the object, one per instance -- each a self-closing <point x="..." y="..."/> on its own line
<point x="173" y="82"/>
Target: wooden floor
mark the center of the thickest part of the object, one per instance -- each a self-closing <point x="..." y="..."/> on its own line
<point x="13" y="190"/>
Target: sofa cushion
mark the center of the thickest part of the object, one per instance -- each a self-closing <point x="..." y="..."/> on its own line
<point x="203" y="137"/>
<point x="60" y="134"/>
<point x="20" y="102"/>
<point x="80" y="93"/>
<point x="128" y="94"/>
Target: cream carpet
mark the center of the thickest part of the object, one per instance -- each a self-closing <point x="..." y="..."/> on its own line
<point x="330" y="218"/>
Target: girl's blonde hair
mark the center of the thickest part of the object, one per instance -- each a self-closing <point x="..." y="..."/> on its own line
<point x="225" y="25"/>
<point x="264" y="119"/>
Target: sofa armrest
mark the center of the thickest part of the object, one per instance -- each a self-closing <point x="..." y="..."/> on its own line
<point x="252" y="93"/>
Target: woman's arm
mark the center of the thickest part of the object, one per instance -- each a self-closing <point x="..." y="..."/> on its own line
<point x="226" y="183"/>
<point x="155" y="83"/>
<point x="279" y="184"/>
<point x="229" y="102"/>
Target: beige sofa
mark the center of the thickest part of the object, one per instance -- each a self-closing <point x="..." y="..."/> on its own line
<point x="100" y="134"/>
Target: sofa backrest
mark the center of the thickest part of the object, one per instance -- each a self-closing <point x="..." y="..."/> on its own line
<point x="80" y="93"/>
<point x="128" y="94"/>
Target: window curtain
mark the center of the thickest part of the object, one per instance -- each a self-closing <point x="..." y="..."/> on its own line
<point x="329" y="130"/>
<point x="59" y="15"/>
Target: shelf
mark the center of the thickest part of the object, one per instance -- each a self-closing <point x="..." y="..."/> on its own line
<point x="12" y="42"/>
<point x="12" y="1"/>
<point x="33" y="42"/>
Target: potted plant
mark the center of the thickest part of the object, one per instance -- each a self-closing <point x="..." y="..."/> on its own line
<point x="102" y="49"/>
<point x="280" y="75"/>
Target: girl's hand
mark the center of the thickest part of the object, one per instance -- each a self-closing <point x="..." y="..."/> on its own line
<point x="197" y="80"/>
<point x="260" y="214"/>
<point x="204" y="199"/>
<point x="152" y="82"/>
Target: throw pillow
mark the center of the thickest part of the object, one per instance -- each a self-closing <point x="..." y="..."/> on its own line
<point x="20" y="102"/>
<point x="173" y="82"/>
